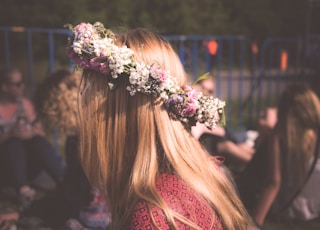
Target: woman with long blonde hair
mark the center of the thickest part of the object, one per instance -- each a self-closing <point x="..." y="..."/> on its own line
<point x="136" y="145"/>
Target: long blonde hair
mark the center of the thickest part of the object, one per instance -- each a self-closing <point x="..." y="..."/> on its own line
<point x="127" y="141"/>
<point x="298" y="122"/>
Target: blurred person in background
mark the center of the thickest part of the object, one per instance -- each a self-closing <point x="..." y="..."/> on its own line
<point x="24" y="150"/>
<point x="282" y="181"/>
<point x="74" y="203"/>
<point x="216" y="140"/>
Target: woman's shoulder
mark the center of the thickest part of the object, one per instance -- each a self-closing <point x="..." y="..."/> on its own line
<point x="179" y="197"/>
<point x="141" y="217"/>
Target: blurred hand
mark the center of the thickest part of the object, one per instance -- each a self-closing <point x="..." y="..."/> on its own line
<point x="218" y="131"/>
<point x="268" y="118"/>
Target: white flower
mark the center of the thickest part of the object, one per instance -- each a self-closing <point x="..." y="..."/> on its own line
<point x="92" y="41"/>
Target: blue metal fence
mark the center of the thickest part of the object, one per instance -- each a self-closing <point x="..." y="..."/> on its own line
<point x="9" y="42"/>
<point x="248" y="81"/>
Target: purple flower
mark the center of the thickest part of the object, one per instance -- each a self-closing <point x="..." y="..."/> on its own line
<point x="173" y="105"/>
<point x="183" y="103"/>
<point x="83" y="63"/>
<point x="174" y="100"/>
<point x="100" y="64"/>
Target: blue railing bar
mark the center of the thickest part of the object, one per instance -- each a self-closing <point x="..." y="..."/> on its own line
<point x="202" y="37"/>
<point x="71" y="64"/>
<point x="195" y="59"/>
<point x="7" y="48"/>
<point x="176" y="37"/>
<point x="254" y="61"/>
<point x="30" y="61"/>
<point x="261" y="74"/>
<point x="51" y="52"/>
<point x="297" y="64"/>
<point x="182" y="52"/>
<point x="219" y="65"/>
<point x="270" y="64"/>
<point x="51" y="69"/>
<point x="230" y="75"/>
<point x="208" y="60"/>
<point x="240" y="85"/>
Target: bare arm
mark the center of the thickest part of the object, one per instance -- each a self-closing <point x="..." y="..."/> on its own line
<point x="200" y="129"/>
<point x="4" y="134"/>
<point x="236" y="151"/>
<point x="37" y="127"/>
<point x="272" y="185"/>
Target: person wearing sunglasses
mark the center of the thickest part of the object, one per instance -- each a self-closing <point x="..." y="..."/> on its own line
<point x="24" y="151"/>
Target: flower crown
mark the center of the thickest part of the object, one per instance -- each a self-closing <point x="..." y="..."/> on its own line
<point x="92" y="47"/>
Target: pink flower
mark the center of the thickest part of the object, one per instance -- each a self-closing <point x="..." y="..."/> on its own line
<point x="183" y="103"/>
<point x="191" y="93"/>
<point x="104" y="69"/>
<point x="83" y="27"/>
<point x="162" y="75"/>
<point x="189" y="111"/>
<point x="83" y="63"/>
<point x="99" y="64"/>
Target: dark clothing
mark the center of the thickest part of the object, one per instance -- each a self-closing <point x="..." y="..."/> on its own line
<point x="71" y="196"/>
<point x="211" y="142"/>
<point x="22" y="160"/>
<point x="251" y="180"/>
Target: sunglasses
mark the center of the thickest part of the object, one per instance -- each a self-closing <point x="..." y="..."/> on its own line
<point x="16" y="84"/>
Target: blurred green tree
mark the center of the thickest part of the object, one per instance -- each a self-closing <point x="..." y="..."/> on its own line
<point x="258" y="19"/>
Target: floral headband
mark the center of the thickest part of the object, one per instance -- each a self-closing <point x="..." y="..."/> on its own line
<point x="92" y="47"/>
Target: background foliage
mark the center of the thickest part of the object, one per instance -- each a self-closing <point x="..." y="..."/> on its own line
<point x="255" y="19"/>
